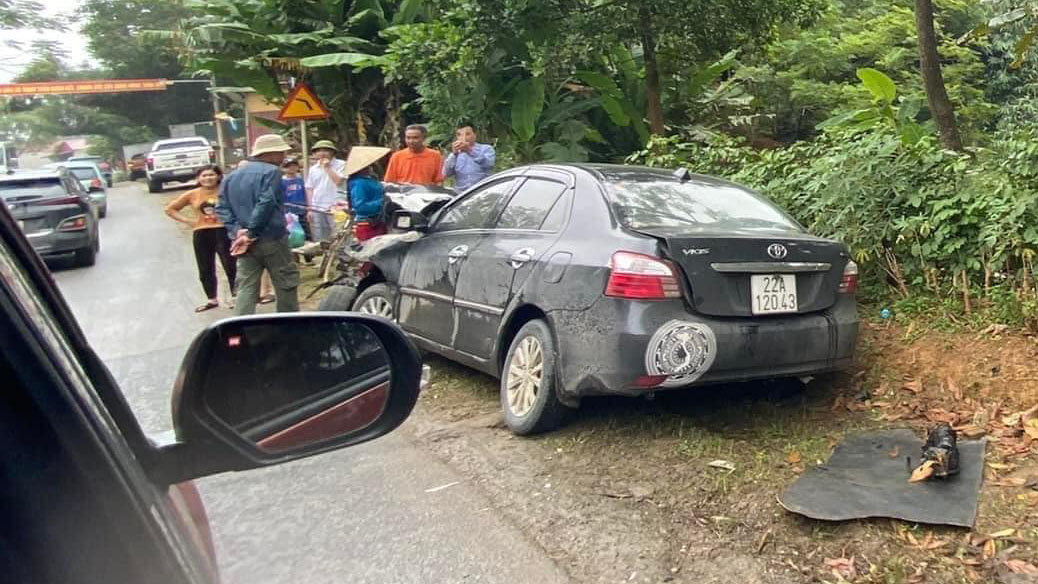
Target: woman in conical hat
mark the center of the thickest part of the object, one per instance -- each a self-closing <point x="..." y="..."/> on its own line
<point x="367" y="196"/>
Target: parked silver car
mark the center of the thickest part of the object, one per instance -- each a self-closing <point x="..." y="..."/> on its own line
<point x="92" y="179"/>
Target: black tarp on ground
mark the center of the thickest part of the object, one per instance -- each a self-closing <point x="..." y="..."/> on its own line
<point x="862" y="480"/>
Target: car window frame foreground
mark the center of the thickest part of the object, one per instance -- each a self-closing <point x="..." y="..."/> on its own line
<point x="58" y="372"/>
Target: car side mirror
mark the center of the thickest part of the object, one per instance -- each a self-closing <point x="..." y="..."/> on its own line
<point x="262" y="390"/>
<point x="410" y="221"/>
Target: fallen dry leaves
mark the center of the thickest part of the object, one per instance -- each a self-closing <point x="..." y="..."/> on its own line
<point x="913" y="385"/>
<point x="842" y="568"/>
<point x="1031" y="429"/>
<point x="1022" y="567"/>
<point x="794" y="457"/>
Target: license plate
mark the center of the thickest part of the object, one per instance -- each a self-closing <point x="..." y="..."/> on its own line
<point x="773" y="293"/>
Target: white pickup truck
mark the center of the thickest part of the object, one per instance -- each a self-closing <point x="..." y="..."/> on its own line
<point x="177" y="159"/>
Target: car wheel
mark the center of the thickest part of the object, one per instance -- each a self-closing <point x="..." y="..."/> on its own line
<point x="154" y="186"/>
<point x="529" y="382"/>
<point x="338" y="299"/>
<point x="104" y="212"/>
<point x="379" y="299"/>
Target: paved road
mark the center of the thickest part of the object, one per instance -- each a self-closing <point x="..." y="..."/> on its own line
<point x="360" y="515"/>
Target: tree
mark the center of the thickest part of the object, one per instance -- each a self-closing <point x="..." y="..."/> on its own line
<point x="930" y="65"/>
<point x="115" y="34"/>
<point x="334" y="45"/>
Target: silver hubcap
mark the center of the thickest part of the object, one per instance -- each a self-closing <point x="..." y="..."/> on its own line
<point x="525" y="375"/>
<point x="378" y="306"/>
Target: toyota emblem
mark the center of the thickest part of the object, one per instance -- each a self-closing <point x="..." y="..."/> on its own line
<point x="777" y="251"/>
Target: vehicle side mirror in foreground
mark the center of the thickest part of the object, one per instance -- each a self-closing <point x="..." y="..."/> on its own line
<point x="262" y="390"/>
<point x="410" y="221"/>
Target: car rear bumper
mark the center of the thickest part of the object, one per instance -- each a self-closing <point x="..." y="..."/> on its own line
<point x="176" y="174"/>
<point x="50" y="242"/>
<point x="607" y="349"/>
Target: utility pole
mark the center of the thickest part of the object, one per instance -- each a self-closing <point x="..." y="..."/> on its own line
<point x="215" y="98"/>
<point x="218" y="123"/>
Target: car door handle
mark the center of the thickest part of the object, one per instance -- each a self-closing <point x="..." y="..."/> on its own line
<point x="521" y="257"/>
<point x="457" y="253"/>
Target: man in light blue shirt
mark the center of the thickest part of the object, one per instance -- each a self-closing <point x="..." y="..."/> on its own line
<point x="469" y="162"/>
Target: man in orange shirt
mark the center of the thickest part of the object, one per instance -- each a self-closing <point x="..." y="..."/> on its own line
<point x="416" y="164"/>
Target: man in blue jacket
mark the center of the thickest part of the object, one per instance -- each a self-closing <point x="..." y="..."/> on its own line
<point x="251" y="206"/>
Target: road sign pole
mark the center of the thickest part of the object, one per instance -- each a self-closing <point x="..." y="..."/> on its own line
<point x="306" y="147"/>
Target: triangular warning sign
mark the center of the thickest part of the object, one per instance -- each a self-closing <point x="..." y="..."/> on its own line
<point x="302" y="104"/>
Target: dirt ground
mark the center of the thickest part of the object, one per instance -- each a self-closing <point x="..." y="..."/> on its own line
<point x="624" y="492"/>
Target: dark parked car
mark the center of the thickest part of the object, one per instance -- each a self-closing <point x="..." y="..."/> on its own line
<point x="137" y="166"/>
<point x="88" y="497"/>
<point x="55" y="212"/>
<point x="574" y="280"/>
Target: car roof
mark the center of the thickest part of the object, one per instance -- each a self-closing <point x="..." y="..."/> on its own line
<point x="29" y="175"/>
<point x="610" y="173"/>
<point x="72" y="164"/>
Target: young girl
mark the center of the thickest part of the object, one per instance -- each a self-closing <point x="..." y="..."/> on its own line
<point x="210" y="237"/>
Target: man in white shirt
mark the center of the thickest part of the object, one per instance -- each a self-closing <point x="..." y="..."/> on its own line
<point x="322" y="187"/>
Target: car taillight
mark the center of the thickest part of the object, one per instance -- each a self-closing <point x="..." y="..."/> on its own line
<point x="642" y="277"/>
<point x="151" y="163"/>
<point x="77" y="223"/>
<point x="849" y="281"/>
<point x="105" y="166"/>
<point x="96" y="183"/>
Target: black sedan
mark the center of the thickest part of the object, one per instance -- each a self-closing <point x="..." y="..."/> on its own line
<point x="574" y="280"/>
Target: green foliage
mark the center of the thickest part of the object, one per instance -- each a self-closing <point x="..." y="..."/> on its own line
<point x="337" y="46"/>
<point x="809" y="74"/>
<point x="883" y="111"/>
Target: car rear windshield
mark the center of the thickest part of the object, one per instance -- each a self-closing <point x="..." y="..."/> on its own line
<point x="180" y="144"/>
<point x="83" y="173"/>
<point x="647" y="203"/>
<point x="41" y="187"/>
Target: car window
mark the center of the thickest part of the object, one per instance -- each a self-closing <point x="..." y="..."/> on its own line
<point x="556" y="218"/>
<point x="84" y="173"/>
<point x="477" y="210"/>
<point x="531" y="204"/>
<point x="659" y="202"/>
<point x="39" y="187"/>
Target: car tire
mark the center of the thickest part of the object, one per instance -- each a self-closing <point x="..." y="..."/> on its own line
<point x="154" y="186"/>
<point x="338" y="299"/>
<point x="532" y="405"/>
<point x="87" y="256"/>
<point x="379" y="300"/>
<point x="103" y="213"/>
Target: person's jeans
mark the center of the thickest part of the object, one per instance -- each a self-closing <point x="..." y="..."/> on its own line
<point x="276" y="257"/>
<point x="322" y="226"/>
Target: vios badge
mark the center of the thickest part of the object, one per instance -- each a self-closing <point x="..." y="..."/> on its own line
<point x="777" y="251"/>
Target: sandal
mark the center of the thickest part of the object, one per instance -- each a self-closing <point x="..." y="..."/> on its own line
<point x="266" y="299"/>
<point x="207" y="306"/>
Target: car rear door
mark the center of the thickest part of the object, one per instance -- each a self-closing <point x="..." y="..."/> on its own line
<point x="498" y="266"/>
<point x="433" y="264"/>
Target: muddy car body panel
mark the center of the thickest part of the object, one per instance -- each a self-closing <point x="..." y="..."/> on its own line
<point x="647" y="280"/>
